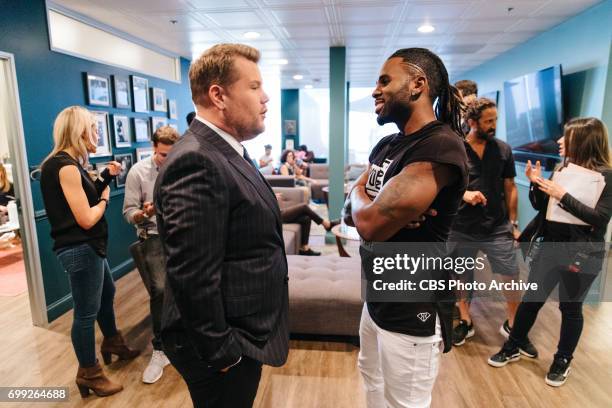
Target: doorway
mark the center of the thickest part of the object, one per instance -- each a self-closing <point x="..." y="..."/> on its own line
<point x="21" y="282"/>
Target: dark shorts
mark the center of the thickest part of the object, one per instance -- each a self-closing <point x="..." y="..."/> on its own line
<point x="498" y="247"/>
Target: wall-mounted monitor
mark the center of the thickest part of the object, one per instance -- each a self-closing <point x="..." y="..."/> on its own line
<point x="534" y="115"/>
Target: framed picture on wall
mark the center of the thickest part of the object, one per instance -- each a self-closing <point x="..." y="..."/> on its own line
<point x="140" y="93"/>
<point x="126" y="164"/>
<point x="172" y="109"/>
<point x="143" y="153"/>
<point x="122" y="131"/>
<point x="98" y="91"/>
<point x="142" y="130"/>
<point x="290" y="127"/>
<point x="289" y="143"/>
<point x="103" y="148"/>
<point x="157" y="122"/>
<point x="121" y="88"/>
<point x="158" y="95"/>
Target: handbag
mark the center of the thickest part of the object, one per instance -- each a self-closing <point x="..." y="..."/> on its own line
<point x="148" y="256"/>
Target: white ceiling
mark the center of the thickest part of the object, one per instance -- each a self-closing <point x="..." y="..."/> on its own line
<point x="467" y="32"/>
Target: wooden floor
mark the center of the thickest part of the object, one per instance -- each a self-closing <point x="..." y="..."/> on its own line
<point x="317" y="374"/>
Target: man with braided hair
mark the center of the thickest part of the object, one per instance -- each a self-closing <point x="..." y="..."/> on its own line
<point x="422" y="167"/>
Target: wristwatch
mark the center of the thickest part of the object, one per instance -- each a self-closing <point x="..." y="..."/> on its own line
<point x="514" y="223"/>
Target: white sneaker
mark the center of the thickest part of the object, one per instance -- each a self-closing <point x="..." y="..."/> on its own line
<point x="155" y="369"/>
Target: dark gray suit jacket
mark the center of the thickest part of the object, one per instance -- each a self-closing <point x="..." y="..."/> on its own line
<point x="219" y="221"/>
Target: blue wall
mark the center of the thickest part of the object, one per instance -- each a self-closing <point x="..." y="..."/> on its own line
<point x="290" y="110"/>
<point x="582" y="46"/>
<point x="48" y="82"/>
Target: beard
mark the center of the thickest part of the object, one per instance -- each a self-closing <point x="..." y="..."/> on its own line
<point x="396" y="109"/>
<point x="246" y="128"/>
<point x="485" y="135"/>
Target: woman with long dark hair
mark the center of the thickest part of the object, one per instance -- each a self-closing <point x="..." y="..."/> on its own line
<point x="75" y="204"/>
<point x="570" y="255"/>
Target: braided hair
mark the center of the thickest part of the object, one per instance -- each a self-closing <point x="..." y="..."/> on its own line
<point x="448" y="104"/>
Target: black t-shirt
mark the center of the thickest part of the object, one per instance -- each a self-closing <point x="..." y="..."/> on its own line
<point x="487" y="176"/>
<point x="436" y="142"/>
<point x="64" y="228"/>
<point x="7" y="196"/>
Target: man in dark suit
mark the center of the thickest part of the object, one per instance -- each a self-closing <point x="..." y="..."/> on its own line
<point x="226" y="300"/>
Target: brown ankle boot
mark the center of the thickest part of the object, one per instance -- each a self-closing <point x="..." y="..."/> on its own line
<point x="116" y="345"/>
<point x="93" y="378"/>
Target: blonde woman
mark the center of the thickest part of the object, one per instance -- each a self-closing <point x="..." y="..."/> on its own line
<point x="6" y="189"/>
<point x="577" y="256"/>
<point x="75" y="206"/>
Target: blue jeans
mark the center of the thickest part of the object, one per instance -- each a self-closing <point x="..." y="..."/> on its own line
<point x="93" y="291"/>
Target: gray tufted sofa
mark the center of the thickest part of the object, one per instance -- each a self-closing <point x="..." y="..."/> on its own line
<point x="324" y="295"/>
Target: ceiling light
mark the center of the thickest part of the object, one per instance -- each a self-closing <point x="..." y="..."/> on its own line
<point x="426" y="28"/>
<point x="298" y="77"/>
<point x="308" y="86"/>
<point x="283" y="61"/>
<point x="251" y="35"/>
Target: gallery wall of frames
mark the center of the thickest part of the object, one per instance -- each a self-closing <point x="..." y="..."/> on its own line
<point x="122" y="130"/>
<point x="127" y="104"/>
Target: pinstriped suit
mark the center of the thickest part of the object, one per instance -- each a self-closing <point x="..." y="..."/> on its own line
<point x="226" y="293"/>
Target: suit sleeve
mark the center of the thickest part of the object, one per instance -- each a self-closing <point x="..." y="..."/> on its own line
<point x="194" y="208"/>
<point x="597" y="217"/>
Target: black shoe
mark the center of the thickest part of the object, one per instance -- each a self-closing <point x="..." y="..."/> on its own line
<point x="558" y="373"/>
<point x="332" y="224"/>
<point x="309" y="252"/>
<point x="505" y="356"/>
<point x="528" y="349"/>
<point x="461" y="332"/>
<point x="505" y="329"/>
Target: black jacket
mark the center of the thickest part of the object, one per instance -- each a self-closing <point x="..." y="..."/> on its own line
<point x="597" y="217"/>
<point x="226" y="288"/>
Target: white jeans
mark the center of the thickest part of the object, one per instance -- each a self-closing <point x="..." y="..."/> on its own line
<point x="397" y="372"/>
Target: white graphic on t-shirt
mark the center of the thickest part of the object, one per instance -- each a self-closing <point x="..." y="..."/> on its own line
<point x="376" y="178"/>
<point x="423" y="316"/>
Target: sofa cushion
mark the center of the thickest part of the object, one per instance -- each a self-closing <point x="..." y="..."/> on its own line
<point x="324" y="295"/>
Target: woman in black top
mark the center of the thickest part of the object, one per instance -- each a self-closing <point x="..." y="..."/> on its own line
<point x="75" y="205"/>
<point x="7" y="193"/>
<point x="569" y="255"/>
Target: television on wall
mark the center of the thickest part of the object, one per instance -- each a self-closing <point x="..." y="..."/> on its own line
<point x="534" y="115"/>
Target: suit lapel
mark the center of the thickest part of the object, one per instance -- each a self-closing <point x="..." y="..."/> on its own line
<point x="247" y="171"/>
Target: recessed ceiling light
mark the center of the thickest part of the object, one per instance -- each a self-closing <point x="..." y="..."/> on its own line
<point x="308" y="86"/>
<point x="251" y="35"/>
<point x="298" y="77"/>
<point x="426" y="28"/>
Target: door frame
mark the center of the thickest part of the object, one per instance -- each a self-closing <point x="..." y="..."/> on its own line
<point x="23" y="192"/>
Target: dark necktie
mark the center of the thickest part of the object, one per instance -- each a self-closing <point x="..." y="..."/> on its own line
<point x="248" y="158"/>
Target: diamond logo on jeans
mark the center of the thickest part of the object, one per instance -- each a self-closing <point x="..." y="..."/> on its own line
<point x="423" y="316"/>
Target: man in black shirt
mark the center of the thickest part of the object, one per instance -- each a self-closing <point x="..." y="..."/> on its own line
<point x="424" y="166"/>
<point x="487" y="218"/>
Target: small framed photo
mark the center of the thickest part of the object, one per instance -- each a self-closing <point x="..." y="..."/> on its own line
<point x="121" y="88"/>
<point x="104" y="147"/>
<point x="125" y="160"/>
<point x="290" y="127"/>
<point x="140" y="93"/>
<point x="142" y="130"/>
<point x="121" y="129"/>
<point x="143" y="153"/>
<point x="157" y="122"/>
<point x="98" y="91"/>
<point x="172" y="113"/>
<point x="158" y="95"/>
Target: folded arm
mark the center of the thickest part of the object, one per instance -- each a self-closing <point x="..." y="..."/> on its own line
<point x="403" y="199"/>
